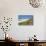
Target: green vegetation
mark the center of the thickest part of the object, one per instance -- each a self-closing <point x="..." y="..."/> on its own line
<point x="27" y="22"/>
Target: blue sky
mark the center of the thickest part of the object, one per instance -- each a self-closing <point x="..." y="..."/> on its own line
<point x="25" y="17"/>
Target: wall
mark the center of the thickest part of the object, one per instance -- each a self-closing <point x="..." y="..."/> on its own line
<point x="12" y="8"/>
<point x="45" y="28"/>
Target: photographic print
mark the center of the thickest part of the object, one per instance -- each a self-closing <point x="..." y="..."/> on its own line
<point x="25" y="19"/>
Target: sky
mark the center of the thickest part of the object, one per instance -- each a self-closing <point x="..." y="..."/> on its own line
<point x="25" y="16"/>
